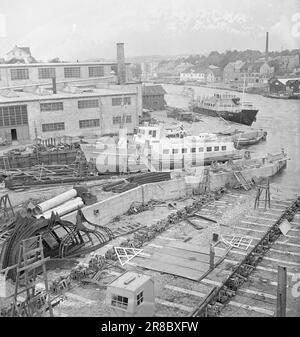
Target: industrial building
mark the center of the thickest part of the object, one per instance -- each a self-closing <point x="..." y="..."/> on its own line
<point x="154" y="97"/>
<point x="81" y="99"/>
<point x="41" y="73"/>
<point x="71" y="111"/>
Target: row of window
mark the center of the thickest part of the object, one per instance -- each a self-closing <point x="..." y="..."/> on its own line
<point x="13" y="115"/>
<point x="83" y="124"/>
<point x="118" y="119"/>
<point x="46" y="73"/>
<point x="122" y="301"/>
<point x="119" y="101"/>
<point x="85" y="104"/>
<point x="86" y="123"/>
<point x="193" y="150"/>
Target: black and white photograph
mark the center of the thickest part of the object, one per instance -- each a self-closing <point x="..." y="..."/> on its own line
<point x="149" y="162"/>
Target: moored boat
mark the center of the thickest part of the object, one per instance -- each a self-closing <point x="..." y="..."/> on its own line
<point x="226" y="106"/>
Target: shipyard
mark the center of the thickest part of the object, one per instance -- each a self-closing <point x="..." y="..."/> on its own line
<point x="150" y="186"/>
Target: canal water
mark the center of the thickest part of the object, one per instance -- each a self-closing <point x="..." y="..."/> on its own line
<point x="280" y="118"/>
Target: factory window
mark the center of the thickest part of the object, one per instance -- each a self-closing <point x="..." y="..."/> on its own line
<point x="209" y="149"/>
<point x="89" y="123"/>
<point x="117" y="120"/>
<point x="201" y="149"/>
<point x="53" y="127"/>
<point x="116" y="101"/>
<point x="72" y="72"/>
<point x="165" y="151"/>
<point x="87" y="104"/>
<point x="223" y="148"/>
<point x="46" y="73"/>
<point x="119" y="301"/>
<point x="128" y="119"/>
<point x="183" y="150"/>
<point x="175" y="151"/>
<point x="13" y="115"/>
<point x="97" y="71"/>
<point x="127" y="100"/>
<point x="19" y="74"/>
<point x="54" y="106"/>
<point x="193" y="149"/>
<point x="216" y="148"/>
<point x="140" y="298"/>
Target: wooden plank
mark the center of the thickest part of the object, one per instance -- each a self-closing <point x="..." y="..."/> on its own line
<point x="194" y="248"/>
<point x="176" y="261"/>
<point x="191" y="256"/>
<point x="162" y="267"/>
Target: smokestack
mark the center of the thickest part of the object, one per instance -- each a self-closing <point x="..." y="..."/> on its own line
<point x="54" y="85"/>
<point x="267" y="47"/>
<point x="121" y="63"/>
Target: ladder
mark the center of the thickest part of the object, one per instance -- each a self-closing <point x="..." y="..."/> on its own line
<point x="242" y="180"/>
<point x="30" y="260"/>
<point x="205" y="183"/>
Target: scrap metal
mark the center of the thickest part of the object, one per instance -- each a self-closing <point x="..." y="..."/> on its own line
<point x="61" y="238"/>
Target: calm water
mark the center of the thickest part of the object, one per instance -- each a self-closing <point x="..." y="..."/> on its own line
<point x="280" y="118"/>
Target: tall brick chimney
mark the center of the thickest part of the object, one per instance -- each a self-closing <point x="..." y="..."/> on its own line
<point x="267" y="47"/>
<point x="121" y="63"/>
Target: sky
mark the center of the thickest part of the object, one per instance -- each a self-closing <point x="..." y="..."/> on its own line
<point x="90" y="29"/>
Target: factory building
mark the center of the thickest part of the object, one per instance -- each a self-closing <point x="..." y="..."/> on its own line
<point x="79" y="99"/>
<point x="69" y="112"/>
<point x="20" y="75"/>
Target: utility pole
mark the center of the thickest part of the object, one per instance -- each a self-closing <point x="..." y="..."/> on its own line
<point x="281" y="292"/>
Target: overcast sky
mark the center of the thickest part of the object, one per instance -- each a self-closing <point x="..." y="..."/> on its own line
<point x="84" y="29"/>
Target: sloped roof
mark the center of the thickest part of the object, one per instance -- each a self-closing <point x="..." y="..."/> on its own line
<point x="215" y="71"/>
<point x="25" y="49"/>
<point x="153" y="90"/>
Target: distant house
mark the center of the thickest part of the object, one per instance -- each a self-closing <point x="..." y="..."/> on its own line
<point x="232" y="71"/>
<point x="288" y="63"/>
<point x="19" y="54"/>
<point x="213" y="74"/>
<point x="284" y="85"/>
<point x="194" y="74"/>
<point x="154" y="97"/>
<point x="256" y="73"/>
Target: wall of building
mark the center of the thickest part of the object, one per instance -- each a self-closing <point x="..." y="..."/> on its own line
<point x="33" y="71"/>
<point x="154" y="102"/>
<point x="71" y="115"/>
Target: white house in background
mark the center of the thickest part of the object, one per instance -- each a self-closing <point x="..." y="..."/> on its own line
<point x="20" y="53"/>
<point x="193" y="75"/>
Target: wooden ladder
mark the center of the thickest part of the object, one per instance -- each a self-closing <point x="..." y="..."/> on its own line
<point x="31" y="258"/>
<point x="242" y="180"/>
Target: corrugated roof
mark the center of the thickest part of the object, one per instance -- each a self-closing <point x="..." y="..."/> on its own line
<point x="153" y="90"/>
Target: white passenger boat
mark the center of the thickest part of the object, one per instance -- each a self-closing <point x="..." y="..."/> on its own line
<point x="155" y="149"/>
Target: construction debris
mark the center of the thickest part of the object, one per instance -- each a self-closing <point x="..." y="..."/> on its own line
<point x="61" y="238"/>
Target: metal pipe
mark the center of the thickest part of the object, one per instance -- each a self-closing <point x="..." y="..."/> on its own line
<point x="63" y="209"/>
<point x="53" y="202"/>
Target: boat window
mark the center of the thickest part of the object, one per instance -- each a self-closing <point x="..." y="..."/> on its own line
<point x="183" y="150"/>
<point x="201" y="149"/>
<point x="209" y="149"/>
<point x="193" y="149"/>
<point x="154" y="133"/>
<point x="175" y="151"/>
<point x="216" y="148"/>
<point x="223" y="148"/>
<point x="165" y="151"/>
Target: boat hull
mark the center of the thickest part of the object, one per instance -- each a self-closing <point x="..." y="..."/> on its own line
<point x="245" y="116"/>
